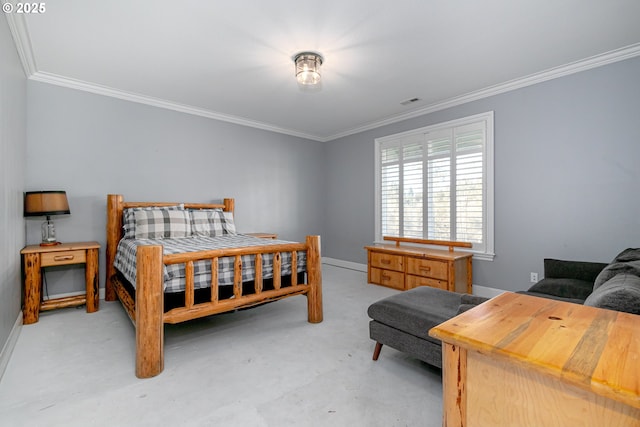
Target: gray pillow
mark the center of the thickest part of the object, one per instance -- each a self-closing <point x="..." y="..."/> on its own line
<point x="630" y="254"/>
<point x="627" y="261"/>
<point x="161" y="224"/>
<point x="620" y="293"/>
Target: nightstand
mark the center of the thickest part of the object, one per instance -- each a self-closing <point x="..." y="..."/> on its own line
<point x="36" y="257"/>
<point x="263" y="235"/>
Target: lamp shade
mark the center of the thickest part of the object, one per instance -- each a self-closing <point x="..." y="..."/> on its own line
<point x="46" y="203"/>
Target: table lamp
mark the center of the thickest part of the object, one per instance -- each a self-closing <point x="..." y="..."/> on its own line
<point x="46" y="203"/>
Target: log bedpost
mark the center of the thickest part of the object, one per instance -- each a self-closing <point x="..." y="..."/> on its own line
<point x="91" y="276"/>
<point x="32" y="282"/>
<point x="149" y="312"/>
<point x="314" y="279"/>
<point x="229" y="205"/>
<point x="114" y="233"/>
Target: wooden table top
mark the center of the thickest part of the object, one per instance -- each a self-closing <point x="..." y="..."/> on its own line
<point x="72" y="246"/>
<point x="418" y="251"/>
<point x="594" y="349"/>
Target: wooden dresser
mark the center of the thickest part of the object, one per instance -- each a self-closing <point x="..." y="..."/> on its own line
<point x="406" y="267"/>
<point x="518" y="360"/>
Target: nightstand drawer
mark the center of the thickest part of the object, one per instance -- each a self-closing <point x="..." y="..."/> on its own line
<point x="63" y="258"/>
<point x="427" y="268"/>
<point x="387" y="261"/>
<point x="415" y="281"/>
<point x="389" y="278"/>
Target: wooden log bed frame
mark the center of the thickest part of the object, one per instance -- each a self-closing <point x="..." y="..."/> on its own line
<point x="146" y="306"/>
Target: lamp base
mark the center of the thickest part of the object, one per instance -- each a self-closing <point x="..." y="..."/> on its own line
<point x="48" y="233"/>
<point x="50" y="243"/>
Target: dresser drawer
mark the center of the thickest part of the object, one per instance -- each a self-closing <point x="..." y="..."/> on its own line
<point x="393" y="279"/>
<point x="427" y="268"/>
<point x="63" y="258"/>
<point x="387" y="261"/>
<point x="415" y="281"/>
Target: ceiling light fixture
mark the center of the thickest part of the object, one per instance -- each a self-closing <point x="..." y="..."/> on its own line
<point x="308" y="68"/>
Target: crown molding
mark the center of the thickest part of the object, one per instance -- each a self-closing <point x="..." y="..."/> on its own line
<point x="20" y="34"/>
<point x="161" y="103"/>
<point x="532" y="79"/>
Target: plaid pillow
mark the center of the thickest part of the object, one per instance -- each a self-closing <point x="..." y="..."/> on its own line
<point x="129" y="220"/>
<point x="212" y="222"/>
<point x="162" y="224"/>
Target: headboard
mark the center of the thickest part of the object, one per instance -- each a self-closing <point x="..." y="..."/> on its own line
<point x="116" y="205"/>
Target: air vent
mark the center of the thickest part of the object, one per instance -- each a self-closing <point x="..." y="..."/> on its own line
<point x="410" y="101"/>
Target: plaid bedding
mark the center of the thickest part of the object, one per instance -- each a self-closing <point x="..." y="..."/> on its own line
<point x="174" y="275"/>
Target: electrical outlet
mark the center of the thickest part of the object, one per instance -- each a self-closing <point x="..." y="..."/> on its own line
<point x="534" y="277"/>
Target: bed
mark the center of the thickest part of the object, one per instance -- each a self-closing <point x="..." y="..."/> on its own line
<point x="171" y="263"/>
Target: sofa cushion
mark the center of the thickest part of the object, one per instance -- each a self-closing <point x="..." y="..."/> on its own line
<point x="467" y="302"/>
<point x="627" y="261"/>
<point x="580" y="270"/>
<point x="550" y="296"/>
<point x="621" y="293"/>
<point x="563" y="287"/>
<point x="417" y="310"/>
<point x="629" y="254"/>
<point x="468" y="299"/>
<point x="465" y="307"/>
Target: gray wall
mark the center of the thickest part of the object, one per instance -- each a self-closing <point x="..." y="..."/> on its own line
<point x="12" y="170"/>
<point x="92" y="145"/>
<point x="566" y="171"/>
<point x="567" y="175"/>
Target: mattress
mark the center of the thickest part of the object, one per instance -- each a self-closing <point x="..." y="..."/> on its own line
<point x="174" y="275"/>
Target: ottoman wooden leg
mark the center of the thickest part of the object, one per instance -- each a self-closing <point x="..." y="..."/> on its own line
<point x="376" y="351"/>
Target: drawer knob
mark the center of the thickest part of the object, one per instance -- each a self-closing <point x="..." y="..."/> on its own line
<point x="426" y="269"/>
<point x="385" y="277"/>
<point x="385" y="261"/>
<point x="63" y="258"/>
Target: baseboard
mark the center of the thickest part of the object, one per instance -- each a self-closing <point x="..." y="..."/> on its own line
<point x="7" y="350"/>
<point x="345" y="264"/>
<point x="482" y="291"/>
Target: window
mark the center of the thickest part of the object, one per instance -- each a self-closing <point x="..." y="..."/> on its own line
<point x="437" y="183"/>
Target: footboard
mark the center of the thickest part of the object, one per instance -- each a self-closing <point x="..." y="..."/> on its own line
<point x="145" y="306"/>
<point x="149" y="300"/>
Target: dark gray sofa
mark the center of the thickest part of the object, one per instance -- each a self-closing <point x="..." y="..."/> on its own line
<point x="613" y="286"/>
<point x="402" y="321"/>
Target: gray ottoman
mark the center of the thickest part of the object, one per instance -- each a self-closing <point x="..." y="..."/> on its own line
<point x="402" y="321"/>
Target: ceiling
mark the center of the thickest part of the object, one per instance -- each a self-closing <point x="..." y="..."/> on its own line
<point x="232" y="60"/>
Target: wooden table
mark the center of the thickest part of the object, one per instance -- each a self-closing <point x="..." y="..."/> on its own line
<point x="519" y="360"/>
<point x="36" y="257"/>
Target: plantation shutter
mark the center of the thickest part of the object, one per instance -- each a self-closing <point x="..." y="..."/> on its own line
<point x="401" y="188"/>
<point x="469" y="183"/>
<point x="390" y="190"/>
<point x="439" y="191"/>
<point x="432" y="184"/>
